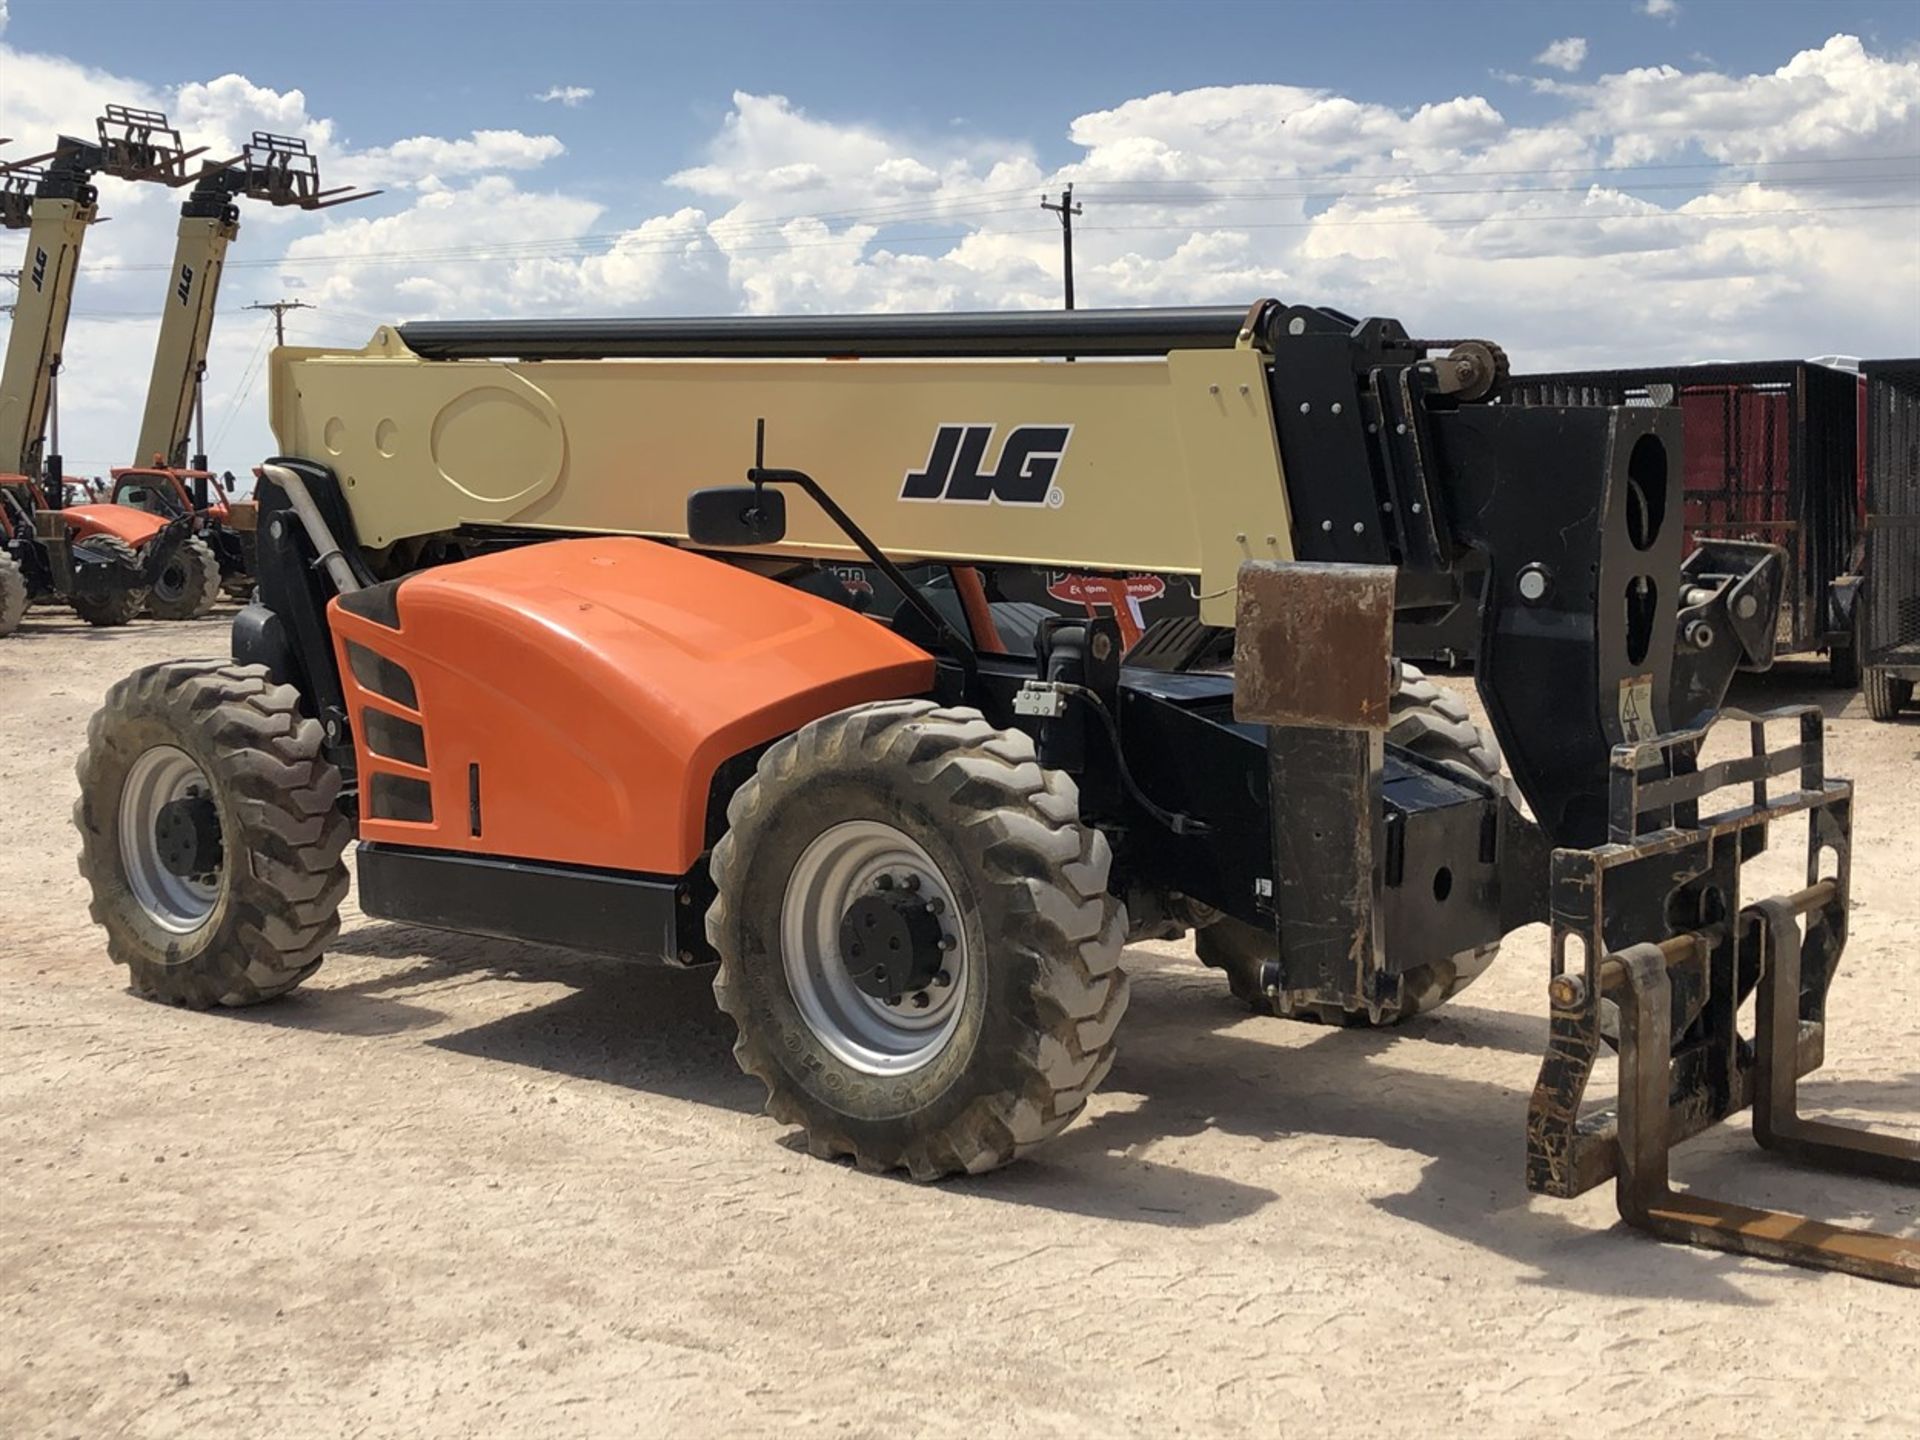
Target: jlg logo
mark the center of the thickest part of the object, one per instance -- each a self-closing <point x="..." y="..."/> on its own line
<point x="39" y="276"/>
<point x="185" y="287"/>
<point x="957" y="469"/>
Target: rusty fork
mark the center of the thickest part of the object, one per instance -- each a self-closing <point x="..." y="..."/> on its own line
<point x="1637" y="980"/>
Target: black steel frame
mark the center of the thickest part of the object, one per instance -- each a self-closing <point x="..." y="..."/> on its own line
<point x="1819" y="533"/>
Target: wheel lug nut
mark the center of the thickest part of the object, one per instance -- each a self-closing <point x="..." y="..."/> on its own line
<point x="936" y="905"/>
<point x="947" y="942"/>
<point x="893" y="1002"/>
<point x="910" y="883"/>
<point x="943" y="979"/>
<point x="884" y="882"/>
<point x="921" y="1000"/>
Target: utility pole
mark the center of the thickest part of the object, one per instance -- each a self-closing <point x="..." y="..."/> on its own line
<point x="279" y="309"/>
<point x="1066" y="210"/>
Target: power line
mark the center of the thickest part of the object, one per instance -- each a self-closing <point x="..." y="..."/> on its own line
<point x="690" y="229"/>
<point x="1388" y="196"/>
<point x="569" y="249"/>
<point x="1747" y="214"/>
<point x="903" y="212"/>
<point x="1593" y="169"/>
<point x="247" y="377"/>
<point x="661" y="240"/>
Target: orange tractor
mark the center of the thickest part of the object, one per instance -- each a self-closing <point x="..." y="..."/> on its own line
<point x="217" y="559"/>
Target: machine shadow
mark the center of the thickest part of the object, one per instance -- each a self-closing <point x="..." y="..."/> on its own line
<point x="649" y="1028"/>
<point x="655" y="1029"/>
<point x="1194" y="1076"/>
<point x="1193" y="1057"/>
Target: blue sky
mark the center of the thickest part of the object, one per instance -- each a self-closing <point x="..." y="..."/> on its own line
<point x="663" y="73"/>
<point x="1617" y="182"/>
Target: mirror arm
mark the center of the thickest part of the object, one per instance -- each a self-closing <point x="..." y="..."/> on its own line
<point x="963" y="651"/>
<point x="760" y="475"/>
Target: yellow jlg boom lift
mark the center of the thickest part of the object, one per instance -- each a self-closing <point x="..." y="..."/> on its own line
<point x="83" y="554"/>
<point x="562" y="686"/>
<point x="163" y="480"/>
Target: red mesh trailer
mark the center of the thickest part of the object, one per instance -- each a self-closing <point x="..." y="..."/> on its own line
<point x="1771" y="452"/>
<point x="1890" y="609"/>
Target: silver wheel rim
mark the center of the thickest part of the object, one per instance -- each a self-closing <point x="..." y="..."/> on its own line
<point x="178" y="903"/>
<point x="841" y="865"/>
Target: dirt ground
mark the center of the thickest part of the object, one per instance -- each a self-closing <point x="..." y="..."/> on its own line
<point x="462" y="1187"/>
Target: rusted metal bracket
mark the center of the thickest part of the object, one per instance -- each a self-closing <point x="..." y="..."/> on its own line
<point x="1311" y="647"/>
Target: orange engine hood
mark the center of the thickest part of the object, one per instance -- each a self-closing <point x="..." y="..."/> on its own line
<point x="571" y="701"/>
<point x="123" y="522"/>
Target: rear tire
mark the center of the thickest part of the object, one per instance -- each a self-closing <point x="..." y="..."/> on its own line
<point x="119" y="606"/>
<point x="244" y="915"/>
<point x="13" y="594"/>
<point x="1007" y="1052"/>
<point x="1886" y="694"/>
<point x="1437" y="726"/>
<point x="188" y="585"/>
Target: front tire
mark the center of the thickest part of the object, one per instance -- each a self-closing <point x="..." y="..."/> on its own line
<point x="117" y="606"/>
<point x="209" y="834"/>
<point x="931" y="827"/>
<point x="187" y="585"/>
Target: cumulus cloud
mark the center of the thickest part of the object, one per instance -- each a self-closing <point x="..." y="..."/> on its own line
<point x="1660" y="9"/>
<point x="1836" y="102"/>
<point x="1442" y="211"/>
<point x="428" y="160"/>
<point x="224" y="113"/>
<point x="1568" y="54"/>
<point x="571" y="96"/>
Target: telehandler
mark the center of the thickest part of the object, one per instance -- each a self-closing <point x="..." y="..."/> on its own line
<point x="164" y="481"/>
<point x="558" y="684"/>
<point x="101" y="559"/>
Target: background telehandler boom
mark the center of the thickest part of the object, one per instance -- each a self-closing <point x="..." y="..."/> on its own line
<point x="53" y="198"/>
<point x="273" y="169"/>
<point x="47" y="547"/>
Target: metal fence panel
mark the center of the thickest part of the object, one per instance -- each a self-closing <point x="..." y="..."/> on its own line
<point x="1893" y="511"/>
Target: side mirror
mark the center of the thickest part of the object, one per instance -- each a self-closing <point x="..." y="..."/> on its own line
<point x="730" y="515"/>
